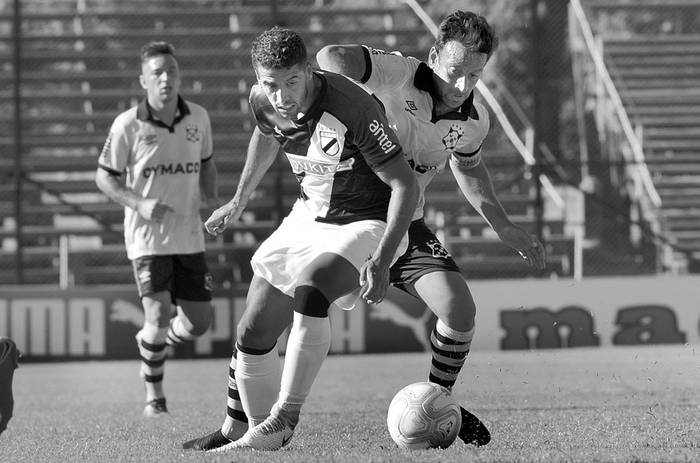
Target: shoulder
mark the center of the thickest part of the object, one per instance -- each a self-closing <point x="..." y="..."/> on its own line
<point x="125" y="120"/>
<point x="196" y="110"/>
<point x="345" y="98"/>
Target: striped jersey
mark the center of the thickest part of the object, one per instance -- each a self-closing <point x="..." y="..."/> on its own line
<point x="335" y="149"/>
<point x="161" y="162"/>
<point x="405" y="86"/>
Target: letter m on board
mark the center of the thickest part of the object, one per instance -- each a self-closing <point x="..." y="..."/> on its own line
<point x="541" y="328"/>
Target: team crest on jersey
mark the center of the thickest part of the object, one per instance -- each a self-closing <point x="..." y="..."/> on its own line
<point x="328" y="139"/>
<point x="452" y="137"/>
<point x="438" y="249"/>
<point x="192" y="133"/>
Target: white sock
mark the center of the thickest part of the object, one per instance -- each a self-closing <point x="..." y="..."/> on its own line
<point x="258" y="380"/>
<point x="307" y="347"/>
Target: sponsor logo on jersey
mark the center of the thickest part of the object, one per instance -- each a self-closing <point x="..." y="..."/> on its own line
<point x="172" y="169"/>
<point x="309" y="166"/>
<point x="411" y="106"/>
<point x="192" y="133"/>
<point x="148" y="139"/>
<point x="328" y="139"/>
<point x="378" y="130"/>
<point x="452" y="137"/>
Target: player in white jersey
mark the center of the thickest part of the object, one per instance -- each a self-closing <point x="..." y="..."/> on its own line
<point x="356" y="199"/>
<point x="432" y="109"/>
<point x="157" y="163"/>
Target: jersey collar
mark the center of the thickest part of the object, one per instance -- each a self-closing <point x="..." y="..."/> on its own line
<point x="145" y="114"/>
<point x="423" y="80"/>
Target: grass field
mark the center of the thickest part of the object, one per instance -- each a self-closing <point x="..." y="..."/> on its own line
<point x="620" y="404"/>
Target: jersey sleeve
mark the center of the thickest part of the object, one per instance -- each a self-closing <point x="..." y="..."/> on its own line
<point x="116" y="150"/>
<point x="468" y="150"/>
<point x="374" y="137"/>
<point x="386" y="70"/>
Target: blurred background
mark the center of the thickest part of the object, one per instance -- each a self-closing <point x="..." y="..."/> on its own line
<point x="595" y="115"/>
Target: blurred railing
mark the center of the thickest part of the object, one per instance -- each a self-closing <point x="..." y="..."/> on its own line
<point x="622" y="158"/>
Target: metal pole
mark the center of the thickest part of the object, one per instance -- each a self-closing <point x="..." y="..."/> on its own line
<point x="17" y="36"/>
<point x="537" y="91"/>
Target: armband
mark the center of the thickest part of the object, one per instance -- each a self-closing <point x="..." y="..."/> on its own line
<point x="467" y="160"/>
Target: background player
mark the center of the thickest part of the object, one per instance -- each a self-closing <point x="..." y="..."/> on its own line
<point x="157" y="163"/>
<point x="432" y="109"/>
<point x="357" y="195"/>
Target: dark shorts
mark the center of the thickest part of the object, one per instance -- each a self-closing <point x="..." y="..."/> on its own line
<point x="425" y="254"/>
<point x="185" y="276"/>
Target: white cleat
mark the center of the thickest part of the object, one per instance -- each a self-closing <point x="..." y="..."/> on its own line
<point x="271" y="434"/>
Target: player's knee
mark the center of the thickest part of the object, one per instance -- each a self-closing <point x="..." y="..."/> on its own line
<point x="458" y="316"/>
<point x="254" y="336"/>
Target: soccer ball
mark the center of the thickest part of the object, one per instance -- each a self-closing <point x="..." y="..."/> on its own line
<point x="424" y="415"/>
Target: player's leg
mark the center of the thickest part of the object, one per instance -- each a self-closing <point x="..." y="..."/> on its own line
<point x="326" y="278"/>
<point x="192" y="289"/>
<point x="153" y="278"/>
<point x="254" y="371"/>
<point x="9" y="356"/>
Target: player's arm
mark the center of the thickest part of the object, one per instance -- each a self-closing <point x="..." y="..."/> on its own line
<point x="475" y="182"/>
<point x="208" y="181"/>
<point x="374" y="275"/>
<point x="208" y="175"/>
<point x="112" y="184"/>
<point x="261" y="153"/>
<point x="348" y="60"/>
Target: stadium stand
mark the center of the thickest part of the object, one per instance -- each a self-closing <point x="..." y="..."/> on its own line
<point x="78" y="69"/>
<point x="652" y="49"/>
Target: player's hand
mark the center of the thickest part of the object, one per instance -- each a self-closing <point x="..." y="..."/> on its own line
<point x="221" y="218"/>
<point x="153" y="209"/>
<point x="374" y="281"/>
<point x="527" y="245"/>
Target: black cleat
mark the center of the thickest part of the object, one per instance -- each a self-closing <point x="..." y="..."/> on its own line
<point x="473" y="431"/>
<point x="211" y="441"/>
<point x="9" y="356"/>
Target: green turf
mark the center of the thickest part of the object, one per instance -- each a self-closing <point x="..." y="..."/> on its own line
<point x="584" y="405"/>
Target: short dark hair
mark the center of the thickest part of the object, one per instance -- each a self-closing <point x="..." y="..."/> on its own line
<point x="468" y="28"/>
<point x="278" y="48"/>
<point x="156" y="48"/>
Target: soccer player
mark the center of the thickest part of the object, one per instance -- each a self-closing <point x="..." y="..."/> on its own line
<point x="9" y="356"/>
<point x="157" y="162"/>
<point x="357" y="196"/>
<point x="432" y="109"/>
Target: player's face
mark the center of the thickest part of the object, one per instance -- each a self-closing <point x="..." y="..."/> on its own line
<point x="160" y="77"/>
<point x="458" y="70"/>
<point x="288" y="89"/>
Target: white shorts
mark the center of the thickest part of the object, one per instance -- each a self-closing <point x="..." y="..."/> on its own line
<point x="300" y="239"/>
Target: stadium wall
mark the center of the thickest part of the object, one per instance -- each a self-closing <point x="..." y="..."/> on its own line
<point x="100" y="323"/>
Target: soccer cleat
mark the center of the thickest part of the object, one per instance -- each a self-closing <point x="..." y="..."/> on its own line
<point x="155" y="408"/>
<point x="9" y="356"/>
<point x="473" y="431"/>
<point x="272" y="434"/>
<point x="211" y="441"/>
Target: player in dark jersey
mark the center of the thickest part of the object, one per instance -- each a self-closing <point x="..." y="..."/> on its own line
<point x="432" y="109"/>
<point x="357" y="194"/>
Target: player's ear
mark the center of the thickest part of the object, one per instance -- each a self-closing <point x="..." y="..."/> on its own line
<point x="142" y="81"/>
<point x="432" y="57"/>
